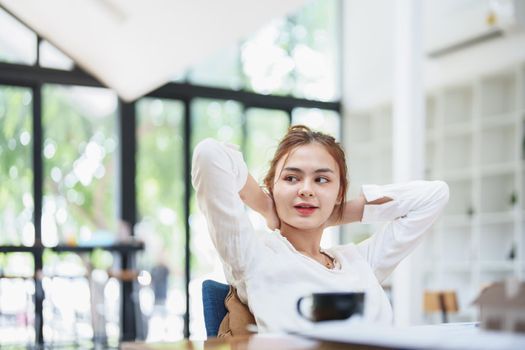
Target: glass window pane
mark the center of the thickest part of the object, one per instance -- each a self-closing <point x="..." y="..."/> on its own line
<point x="265" y="128"/>
<point x="17" y="42"/>
<point x="17" y="308"/>
<point x="296" y="55"/>
<point x="17" y="264"/>
<point x="66" y="319"/>
<point x="266" y="59"/>
<point x="223" y="69"/>
<point x="221" y="120"/>
<point x="17" y="311"/>
<point x="16" y="171"/>
<point x="160" y="201"/>
<point x="79" y="165"/>
<point x="315" y="50"/>
<point x="317" y="119"/>
<point x="51" y="57"/>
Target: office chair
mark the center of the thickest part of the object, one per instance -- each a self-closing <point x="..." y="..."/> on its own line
<point x="213" y="295"/>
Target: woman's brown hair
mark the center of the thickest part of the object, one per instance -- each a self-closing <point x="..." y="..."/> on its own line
<point x="300" y="135"/>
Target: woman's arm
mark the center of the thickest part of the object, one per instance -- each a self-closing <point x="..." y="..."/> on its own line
<point x="219" y="173"/>
<point x="256" y="198"/>
<point x="353" y="211"/>
<point x="413" y="210"/>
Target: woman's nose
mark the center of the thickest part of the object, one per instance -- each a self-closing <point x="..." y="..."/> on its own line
<point x="306" y="191"/>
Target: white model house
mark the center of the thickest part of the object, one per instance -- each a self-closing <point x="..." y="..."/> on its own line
<point x="502" y="306"/>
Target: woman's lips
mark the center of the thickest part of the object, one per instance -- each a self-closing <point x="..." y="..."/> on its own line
<point x="305" y="211"/>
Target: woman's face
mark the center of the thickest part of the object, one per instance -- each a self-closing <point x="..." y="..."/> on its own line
<point x="306" y="187"/>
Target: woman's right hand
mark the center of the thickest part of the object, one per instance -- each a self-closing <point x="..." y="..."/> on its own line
<point x="272" y="219"/>
<point x="261" y="201"/>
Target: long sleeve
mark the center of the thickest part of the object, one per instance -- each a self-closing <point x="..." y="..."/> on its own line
<point x="414" y="208"/>
<point x="218" y="174"/>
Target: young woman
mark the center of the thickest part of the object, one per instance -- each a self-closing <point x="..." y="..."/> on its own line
<point x="305" y="193"/>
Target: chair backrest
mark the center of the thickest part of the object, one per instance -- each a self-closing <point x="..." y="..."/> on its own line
<point x="213" y="295"/>
<point x="444" y="301"/>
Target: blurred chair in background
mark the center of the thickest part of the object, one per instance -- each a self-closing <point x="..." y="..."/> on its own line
<point x="444" y="301"/>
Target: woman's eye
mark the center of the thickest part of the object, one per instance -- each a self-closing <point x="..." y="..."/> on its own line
<point x="291" y="178"/>
<point x="322" y="180"/>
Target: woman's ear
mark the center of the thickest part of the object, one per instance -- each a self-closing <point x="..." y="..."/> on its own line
<point x="339" y="197"/>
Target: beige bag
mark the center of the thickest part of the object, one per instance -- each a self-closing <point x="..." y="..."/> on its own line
<point x="237" y="318"/>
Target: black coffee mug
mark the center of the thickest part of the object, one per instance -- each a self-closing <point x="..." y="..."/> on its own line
<point x="333" y="306"/>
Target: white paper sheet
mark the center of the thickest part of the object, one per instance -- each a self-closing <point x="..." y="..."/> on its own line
<point x="462" y="336"/>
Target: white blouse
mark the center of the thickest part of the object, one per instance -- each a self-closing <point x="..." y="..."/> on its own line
<point x="268" y="272"/>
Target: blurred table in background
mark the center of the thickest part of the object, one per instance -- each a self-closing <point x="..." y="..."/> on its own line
<point x="253" y="342"/>
<point x="126" y="274"/>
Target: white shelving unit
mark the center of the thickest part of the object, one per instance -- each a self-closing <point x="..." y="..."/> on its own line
<point x="369" y="157"/>
<point x="475" y="141"/>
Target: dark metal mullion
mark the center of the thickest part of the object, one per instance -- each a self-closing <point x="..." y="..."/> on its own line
<point x="289" y="113"/>
<point x="127" y="158"/>
<point x="127" y="211"/>
<point x="244" y="130"/>
<point x="29" y="75"/>
<point x="183" y="91"/>
<point x="17" y="74"/>
<point x="38" y="171"/>
<point x="38" y="41"/>
<point x="187" y="198"/>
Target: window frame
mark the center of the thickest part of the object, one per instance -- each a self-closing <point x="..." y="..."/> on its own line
<point x="35" y="76"/>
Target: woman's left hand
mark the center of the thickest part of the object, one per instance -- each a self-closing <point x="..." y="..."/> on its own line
<point x="333" y="220"/>
<point x="353" y="212"/>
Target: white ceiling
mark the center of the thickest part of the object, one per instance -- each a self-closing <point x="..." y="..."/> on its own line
<point x="136" y="46"/>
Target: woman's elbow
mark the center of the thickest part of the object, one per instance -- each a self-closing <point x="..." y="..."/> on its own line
<point x="205" y="150"/>
<point x="204" y="154"/>
<point x="442" y="191"/>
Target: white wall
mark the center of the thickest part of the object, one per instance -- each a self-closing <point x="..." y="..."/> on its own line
<point x="483" y="58"/>
<point x="368" y="51"/>
<point x="368" y="59"/>
<point x="368" y="54"/>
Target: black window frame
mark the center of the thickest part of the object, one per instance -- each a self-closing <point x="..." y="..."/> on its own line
<point x="35" y="77"/>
